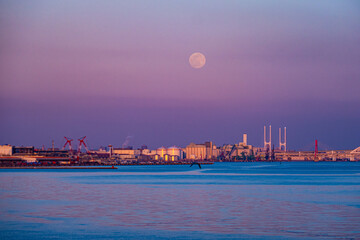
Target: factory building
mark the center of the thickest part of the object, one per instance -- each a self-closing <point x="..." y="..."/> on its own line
<point x="236" y="150"/>
<point x="148" y="152"/>
<point x="331" y="155"/>
<point x="52" y="152"/>
<point x="201" y="151"/>
<point x="126" y="153"/>
<point x="355" y="154"/>
<point x="148" y="155"/>
<point x="23" y="150"/>
<point x="240" y="151"/>
<point x="6" y="150"/>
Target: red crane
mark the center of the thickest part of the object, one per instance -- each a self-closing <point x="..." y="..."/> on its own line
<point x="316" y="149"/>
<point x="68" y="141"/>
<point x="82" y="142"/>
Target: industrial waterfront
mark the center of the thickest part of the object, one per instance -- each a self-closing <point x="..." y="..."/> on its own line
<point x="180" y="120"/>
<point x="15" y="156"/>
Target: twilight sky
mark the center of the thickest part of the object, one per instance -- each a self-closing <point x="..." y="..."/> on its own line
<point x="112" y="69"/>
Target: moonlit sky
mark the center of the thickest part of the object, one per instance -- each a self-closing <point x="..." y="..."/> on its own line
<point x="112" y="69"/>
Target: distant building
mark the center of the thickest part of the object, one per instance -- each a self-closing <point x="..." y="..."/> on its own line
<point x="355" y="154"/>
<point x="148" y="152"/>
<point x="6" y="150"/>
<point x="330" y="155"/>
<point x="148" y="155"/>
<point x="200" y="151"/>
<point x="23" y="150"/>
<point x="126" y="153"/>
<point x="240" y="151"/>
<point x="51" y="153"/>
<point x="237" y="150"/>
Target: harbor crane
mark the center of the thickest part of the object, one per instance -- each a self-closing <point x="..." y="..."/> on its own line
<point x="82" y="142"/>
<point x="68" y="142"/>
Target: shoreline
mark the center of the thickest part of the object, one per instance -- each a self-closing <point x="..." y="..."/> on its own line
<point x="93" y="167"/>
<point x="116" y="166"/>
<point x="60" y="167"/>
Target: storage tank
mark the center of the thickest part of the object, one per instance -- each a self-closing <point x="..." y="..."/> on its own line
<point x="161" y="152"/>
<point x="145" y="152"/>
<point x="175" y="151"/>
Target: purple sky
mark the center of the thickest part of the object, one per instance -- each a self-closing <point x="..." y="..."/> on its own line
<point x="112" y="69"/>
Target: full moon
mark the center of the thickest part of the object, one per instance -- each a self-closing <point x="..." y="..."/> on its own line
<point x="197" y="60"/>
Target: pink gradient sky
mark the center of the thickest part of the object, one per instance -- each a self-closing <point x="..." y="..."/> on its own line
<point x="109" y="69"/>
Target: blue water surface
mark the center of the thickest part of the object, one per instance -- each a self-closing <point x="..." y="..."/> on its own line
<point x="291" y="200"/>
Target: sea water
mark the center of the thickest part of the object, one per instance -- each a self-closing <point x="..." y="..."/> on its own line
<point x="301" y="200"/>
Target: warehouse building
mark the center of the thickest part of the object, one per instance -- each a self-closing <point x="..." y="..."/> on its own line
<point x="201" y="151"/>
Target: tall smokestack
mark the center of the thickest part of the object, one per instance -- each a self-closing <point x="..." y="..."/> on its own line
<point x="245" y="139"/>
<point x="270" y="138"/>
<point x="285" y="138"/>
<point x="264" y="137"/>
